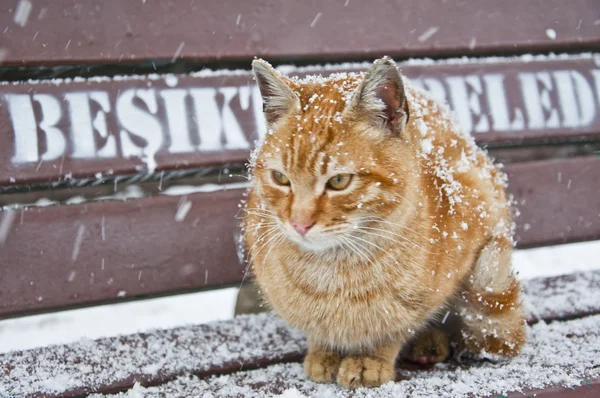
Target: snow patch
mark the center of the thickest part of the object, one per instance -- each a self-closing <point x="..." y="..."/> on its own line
<point x="557" y="354"/>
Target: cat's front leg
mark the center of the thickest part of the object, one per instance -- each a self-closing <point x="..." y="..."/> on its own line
<point x="369" y="369"/>
<point x="320" y="364"/>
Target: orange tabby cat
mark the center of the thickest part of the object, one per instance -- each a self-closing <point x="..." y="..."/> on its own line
<point x="371" y="215"/>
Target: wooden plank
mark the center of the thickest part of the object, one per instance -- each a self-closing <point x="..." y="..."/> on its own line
<point x="97" y="251"/>
<point x="247" y="342"/>
<point x="467" y="381"/>
<point x="52" y="131"/>
<point x="65" y="32"/>
<point x="558" y="200"/>
<point x="87" y="253"/>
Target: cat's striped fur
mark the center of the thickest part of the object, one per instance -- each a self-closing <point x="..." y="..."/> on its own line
<point x="423" y="226"/>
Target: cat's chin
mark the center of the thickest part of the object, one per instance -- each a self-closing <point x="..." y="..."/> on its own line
<point x="314" y="244"/>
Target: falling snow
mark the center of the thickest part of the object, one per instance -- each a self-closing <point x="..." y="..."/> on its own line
<point x="22" y="12"/>
<point x="78" y="240"/>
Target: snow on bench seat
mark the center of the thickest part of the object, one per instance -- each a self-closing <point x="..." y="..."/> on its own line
<point x="559" y="297"/>
<point x="113" y="364"/>
<point x="247" y="342"/>
<point x="558" y="355"/>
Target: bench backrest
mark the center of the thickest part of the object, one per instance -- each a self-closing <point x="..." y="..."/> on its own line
<point x="77" y="147"/>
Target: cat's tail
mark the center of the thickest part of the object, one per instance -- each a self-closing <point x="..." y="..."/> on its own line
<point x="489" y="305"/>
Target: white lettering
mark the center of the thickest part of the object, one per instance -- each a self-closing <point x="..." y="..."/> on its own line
<point x="596" y="75"/>
<point x="234" y="136"/>
<point x="537" y="102"/>
<point x="82" y="126"/>
<point x="139" y="123"/>
<point x="212" y="123"/>
<point x="436" y="88"/>
<point x="207" y="118"/>
<point x="55" y="139"/>
<point x="177" y="119"/>
<point x="465" y="94"/>
<point x="576" y="98"/>
<point x="498" y="105"/>
<point x="109" y="150"/>
<point x="24" y="127"/>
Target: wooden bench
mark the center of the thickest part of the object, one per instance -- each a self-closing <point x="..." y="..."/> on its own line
<point x="121" y="172"/>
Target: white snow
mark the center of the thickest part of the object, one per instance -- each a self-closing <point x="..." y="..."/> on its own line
<point x="166" y="351"/>
<point x="111" y="320"/>
<point x="6" y="222"/>
<point x="557" y="260"/>
<point x="78" y="240"/>
<point x="178" y="51"/>
<point x="182" y="210"/>
<point x="556" y="354"/>
<point x="348" y="66"/>
<point x="130" y="192"/>
<point x="428" y="33"/>
<point x="22" y="12"/>
<point x="315" y="20"/>
<point x="291" y="393"/>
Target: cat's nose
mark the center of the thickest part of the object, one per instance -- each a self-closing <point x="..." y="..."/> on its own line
<point x="303" y="226"/>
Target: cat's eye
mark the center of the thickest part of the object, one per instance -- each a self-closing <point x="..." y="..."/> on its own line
<point x="339" y="182"/>
<point x="280" y="178"/>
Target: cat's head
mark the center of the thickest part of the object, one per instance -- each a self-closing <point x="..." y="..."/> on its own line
<point x="337" y="155"/>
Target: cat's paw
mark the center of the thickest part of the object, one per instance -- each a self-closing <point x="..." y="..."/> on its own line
<point x="322" y="366"/>
<point x="430" y="346"/>
<point x="364" y="372"/>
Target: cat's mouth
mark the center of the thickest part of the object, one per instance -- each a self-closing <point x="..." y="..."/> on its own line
<point x="317" y="238"/>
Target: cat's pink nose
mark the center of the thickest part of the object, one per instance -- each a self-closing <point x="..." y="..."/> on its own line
<point x="303" y="226"/>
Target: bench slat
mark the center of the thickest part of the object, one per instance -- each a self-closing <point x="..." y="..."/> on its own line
<point x="552" y="365"/>
<point x="101" y="251"/>
<point x="246" y="342"/>
<point x="558" y="200"/>
<point x="62" y="32"/>
<point x="114" y="250"/>
<point x="99" y="126"/>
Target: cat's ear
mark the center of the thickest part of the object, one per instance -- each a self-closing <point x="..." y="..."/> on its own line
<point x="381" y="97"/>
<point x="278" y="98"/>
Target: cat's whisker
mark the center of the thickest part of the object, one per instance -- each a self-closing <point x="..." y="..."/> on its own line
<point x="271" y="238"/>
<point x="277" y="235"/>
<point x="392" y="233"/>
<point x="257" y="210"/>
<point x="354" y="249"/>
<point x="254" y="228"/>
<point x="405" y="199"/>
<point x="343" y="243"/>
<point x="261" y="239"/>
<point x="369" y="233"/>
<point x="382" y="220"/>
<point x="394" y="240"/>
<point x="261" y="216"/>
<point x="368" y="242"/>
<point x="361" y="249"/>
<point x="275" y="244"/>
<point x="260" y="213"/>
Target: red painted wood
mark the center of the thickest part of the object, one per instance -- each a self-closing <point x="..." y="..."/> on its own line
<point x="500" y="101"/>
<point x="102" y="251"/>
<point x="146" y="252"/>
<point x="559" y="200"/>
<point x="113" y="31"/>
<point x="590" y="389"/>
